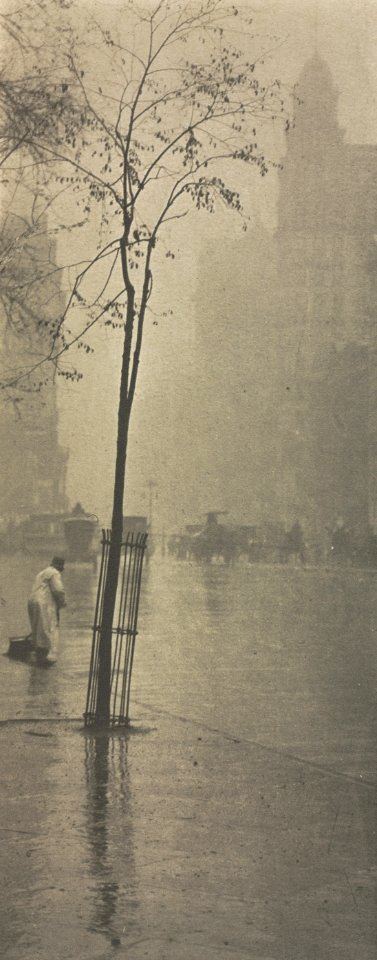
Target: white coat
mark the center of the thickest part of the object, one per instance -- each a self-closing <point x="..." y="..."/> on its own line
<point x="46" y="599"/>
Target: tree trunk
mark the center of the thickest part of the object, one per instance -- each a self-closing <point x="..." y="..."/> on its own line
<point x="112" y="575"/>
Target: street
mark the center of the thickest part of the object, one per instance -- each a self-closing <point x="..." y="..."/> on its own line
<point x="237" y="818"/>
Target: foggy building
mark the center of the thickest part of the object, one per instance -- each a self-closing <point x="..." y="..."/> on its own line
<point x="237" y="378"/>
<point x="285" y="336"/>
<point x="34" y="464"/>
<point x="324" y="250"/>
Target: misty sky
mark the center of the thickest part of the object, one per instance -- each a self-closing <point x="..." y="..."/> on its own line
<point x="345" y="34"/>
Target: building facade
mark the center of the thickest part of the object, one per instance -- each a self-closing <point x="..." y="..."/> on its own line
<point x="285" y="339"/>
<point x="34" y="465"/>
<point x="325" y="301"/>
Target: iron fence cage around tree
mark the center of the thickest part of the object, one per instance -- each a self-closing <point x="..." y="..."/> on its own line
<point x="124" y="630"/>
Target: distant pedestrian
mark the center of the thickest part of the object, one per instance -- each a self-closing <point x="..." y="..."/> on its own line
<point x="46" y="600"/>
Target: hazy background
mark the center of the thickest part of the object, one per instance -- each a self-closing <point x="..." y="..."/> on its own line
<point x="344" y="32"/>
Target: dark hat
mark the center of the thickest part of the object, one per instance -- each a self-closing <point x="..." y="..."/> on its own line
<point x="58" y="562"/>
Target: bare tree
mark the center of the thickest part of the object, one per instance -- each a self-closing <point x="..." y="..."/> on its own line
<point x="146" y="115"/>
<point x="30" y="99"/>
<point x="31" y="104"/>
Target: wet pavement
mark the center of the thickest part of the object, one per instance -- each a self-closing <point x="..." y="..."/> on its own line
<point x="237" y="819"/>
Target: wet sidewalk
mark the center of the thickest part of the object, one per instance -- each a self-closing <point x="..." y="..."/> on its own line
<point x="179" y="841"/>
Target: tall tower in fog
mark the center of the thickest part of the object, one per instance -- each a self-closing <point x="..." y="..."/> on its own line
<point x="327" y="218"/>
<point x="285" y="368"/>
<point x="34" y="464"/>
<point x="235" y="377"/>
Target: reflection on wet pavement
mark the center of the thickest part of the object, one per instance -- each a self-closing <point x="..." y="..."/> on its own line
<point x="238" y="813"/>
<point x="276" y="654"/>
<point x="109" y="832"/>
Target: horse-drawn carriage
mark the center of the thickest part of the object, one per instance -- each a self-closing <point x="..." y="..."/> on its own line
<point x="205" y="542"/>
<point x="272" y="543"/>
<point x="226" y="542"/>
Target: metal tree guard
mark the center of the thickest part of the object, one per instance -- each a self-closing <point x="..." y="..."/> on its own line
<point x="125" y="632"/>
